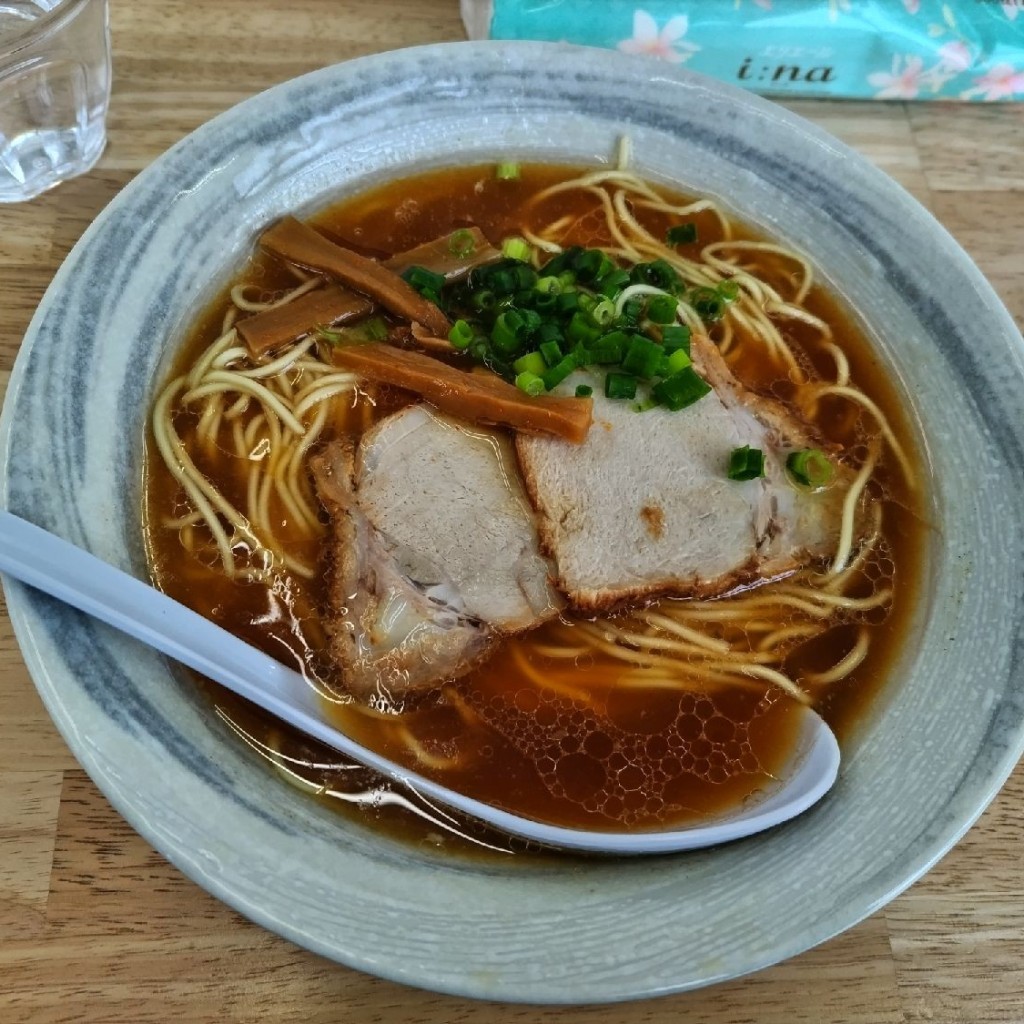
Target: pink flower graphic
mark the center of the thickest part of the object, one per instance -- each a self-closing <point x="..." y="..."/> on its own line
<point x="1002" y="82"/>
<point x="666" y="44"/>
<point x="955" y="56"/>
<point x="899" y="84"/>
<point x="912" y="6"/>
<point x="1011" y="8"/>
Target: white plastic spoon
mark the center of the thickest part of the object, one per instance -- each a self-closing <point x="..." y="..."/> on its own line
<point x="44" y="561"/>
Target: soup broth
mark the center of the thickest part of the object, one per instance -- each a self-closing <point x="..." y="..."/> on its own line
<point x="559" y="723"/>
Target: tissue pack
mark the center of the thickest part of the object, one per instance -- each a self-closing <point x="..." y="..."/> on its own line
<point x="874" y="49"/>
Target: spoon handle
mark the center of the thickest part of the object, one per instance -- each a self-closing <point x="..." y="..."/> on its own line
<point x="48" y="563"/>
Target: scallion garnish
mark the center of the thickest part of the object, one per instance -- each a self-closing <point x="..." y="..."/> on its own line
<point x="554" y="375"/>
<point x="680" y="390"/>
<point x="517" y="249"/>
<point x="682" y="234"/>
<point x="729" y="290"/>
<point x="532" y="362"/>
<point x="620" y="385"/>
<point x="426" y="282"/>
<point x="746" y="463"/>
<point x="584" y="390"/>
<point x="603" y="312"/>
<point x="372" y="328"/>
<point x="581" y="329"/>
<point x="535" y="328"/>
<point x="483" y="300"/>
<point x="658" y="274"/>
<point x="568" y="302"/>
<point x="643" y="357"/>
<point x="551" y="353"/>
<point x="461" y="334"/>
<point x="461" y="243"/>
<point x="675" y="337"/>
<point x="661" y="309"/>
<point x="530" y="383"/>
<point x="507" y="171"/>
<point x="707" y="303"/>
<point x="675" y="361"/>
<point x="810" y="467"/>
<point x="612" y="283"/>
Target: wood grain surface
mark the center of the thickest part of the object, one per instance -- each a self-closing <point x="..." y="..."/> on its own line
<point x="95" y="926"/>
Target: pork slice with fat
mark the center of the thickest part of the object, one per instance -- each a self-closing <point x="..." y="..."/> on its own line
<point x="644" y="508"/>
<point x="434" y="551"/>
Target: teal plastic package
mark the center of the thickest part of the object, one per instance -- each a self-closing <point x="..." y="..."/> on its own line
<point x="875" y="49"/>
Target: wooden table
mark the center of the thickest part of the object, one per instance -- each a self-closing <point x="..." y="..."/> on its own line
<point x="96" y="927"/>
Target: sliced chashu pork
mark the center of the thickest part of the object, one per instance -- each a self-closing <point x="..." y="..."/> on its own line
<point x="434" y="551"/>
<point x="644" y="506"/>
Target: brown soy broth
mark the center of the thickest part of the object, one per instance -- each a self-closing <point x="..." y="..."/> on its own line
<point x="637" y="758"/>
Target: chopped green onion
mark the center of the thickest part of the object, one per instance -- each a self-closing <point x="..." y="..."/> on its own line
<point x="675" y="361"/>
<point x="707" y="303"/>
<point x="729" y="290"/>
<point x="613" y="282"/>
<point x="619" y="385"/>
<point x="810" y="467"/>
<point x="658" y="273"/>
<point x="376" y="329"/>
<point x="424" y="281"/>
<point x="567" y="279"/>
<point x="643" y="357"/>
<point x="509" y="329"/>
<point x="609" y="348"/>
<point x="562" y="262"/>
<point x="483" y="299"/>
<point x="549" y="285"/>
<point x="545" y="303"/>
<point x="632" y="311"/>
<point x="746" y="463"/>
<point x="461" y="243"/>
<point x="461" y="334"/>
<point x="568" y="302"/>
<point x="506" y="171"/>
<point x="646" y="405"/>
<point x="584" y="390"/>
<point x="550" y="331"/>
<point x="532" y="362"/>
<point x="603" y="312"/>
<point x="557" y="373"/>
<point x="551" y="352"/>
<point x="661" y="309"/>
<point x="530" y="383"/>
<point x="581" y="329"/>
<point x="592" y="264"/>
<point x="371" y="329"/>
<point x="680" y="390"/>
<point x="517" y="249"/>
<point x="682" y="234"/>
<point x="676" y="337"/>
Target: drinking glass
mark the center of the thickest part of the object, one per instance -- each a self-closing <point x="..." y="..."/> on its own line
<point x="54" y="91"/>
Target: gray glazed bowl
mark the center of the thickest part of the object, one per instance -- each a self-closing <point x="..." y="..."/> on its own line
<point x="72" y="441"/>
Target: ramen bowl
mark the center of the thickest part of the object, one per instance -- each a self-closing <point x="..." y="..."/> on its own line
<point x="942" y="738"/>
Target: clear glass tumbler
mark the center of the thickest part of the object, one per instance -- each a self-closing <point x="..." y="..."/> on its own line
<point x="54" y="91"/>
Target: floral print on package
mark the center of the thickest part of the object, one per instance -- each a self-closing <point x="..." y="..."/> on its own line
<point x="880" y="49"/>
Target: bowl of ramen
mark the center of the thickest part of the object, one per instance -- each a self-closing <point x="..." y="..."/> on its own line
<point x="570" y="428"/>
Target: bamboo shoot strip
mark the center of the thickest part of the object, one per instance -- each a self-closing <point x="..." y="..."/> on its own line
<point x="298" y="243"/>
<point x="475" y="397"/>
<point x="282" y="325"/>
